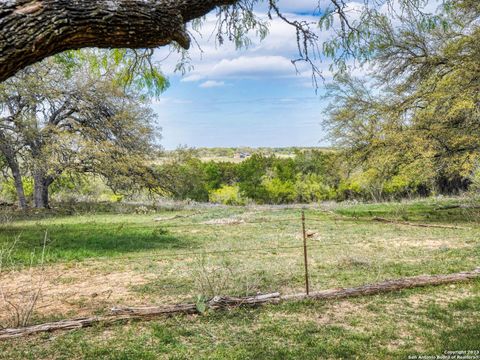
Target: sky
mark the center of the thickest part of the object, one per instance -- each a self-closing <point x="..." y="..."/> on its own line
<point x="250" y="97"/>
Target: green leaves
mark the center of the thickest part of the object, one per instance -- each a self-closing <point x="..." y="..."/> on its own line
<point x="411" y="129"/>
<point x="201" y="304"/>
<point x="134" y="70"/>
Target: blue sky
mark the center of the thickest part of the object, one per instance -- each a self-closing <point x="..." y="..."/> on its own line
<point x="244" y="112"/>
<point x="249" y="97"/>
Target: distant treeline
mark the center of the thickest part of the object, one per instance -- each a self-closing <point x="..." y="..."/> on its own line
<point x="219" y="152"/>
<point x="309" y="176"/>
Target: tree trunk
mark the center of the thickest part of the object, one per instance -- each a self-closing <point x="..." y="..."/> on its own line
<point x="41" y="183"/>
<point x="17" y="179"/>
<point x="9" y="154"/>
<point x="33" y="30"/>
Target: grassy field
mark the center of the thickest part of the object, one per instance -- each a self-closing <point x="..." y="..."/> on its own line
<point x="94" y="260"/>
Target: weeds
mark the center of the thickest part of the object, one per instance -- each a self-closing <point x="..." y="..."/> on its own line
<point x="226" y="277"/>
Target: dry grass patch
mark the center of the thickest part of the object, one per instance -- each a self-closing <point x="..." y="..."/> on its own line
<point x="66" y="290"/>
<point x="225" y="221"/>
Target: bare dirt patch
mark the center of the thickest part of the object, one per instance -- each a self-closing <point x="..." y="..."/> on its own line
<point x="80" y="290"/>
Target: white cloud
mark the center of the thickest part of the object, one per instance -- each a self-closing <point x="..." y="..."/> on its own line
<point x="268" y="58"/>
<point x="246" y="66"/>
<point x="211" y="84"/>
<point x="193" y="77"/>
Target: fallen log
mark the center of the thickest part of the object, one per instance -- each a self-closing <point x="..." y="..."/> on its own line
<point x="222" y="302"/>
<point x="147" y="311"/>
<point x="134" y="313"/>
<point x="380" y="219"/>
<point x="217" y="302"/>
<point x="388" y="286"/>
<point x="71" y="324"/>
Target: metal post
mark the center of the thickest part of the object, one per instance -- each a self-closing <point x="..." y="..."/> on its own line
<point x="307" y="288"/>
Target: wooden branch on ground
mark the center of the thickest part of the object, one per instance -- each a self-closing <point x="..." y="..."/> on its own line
<point x="419" y="224"/>
<point x="222" y="302"/>
<point x="217" y="302"/>
<point x="388" y="286"/>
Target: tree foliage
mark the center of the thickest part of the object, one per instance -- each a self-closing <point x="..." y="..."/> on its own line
<point x="76" y="113"/>
<point x="146" y="25"/>
<point x="417" y="111"/>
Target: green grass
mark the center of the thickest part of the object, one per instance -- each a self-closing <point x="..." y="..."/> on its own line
<point x="147" y="262"/>
<point x="425" y="210"/>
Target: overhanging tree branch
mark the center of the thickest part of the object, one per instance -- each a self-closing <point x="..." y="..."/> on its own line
<point x="33" y="30"/>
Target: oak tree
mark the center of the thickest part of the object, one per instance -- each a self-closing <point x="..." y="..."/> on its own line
<point x="421" y="109"/>
<point x="61" y="117"/>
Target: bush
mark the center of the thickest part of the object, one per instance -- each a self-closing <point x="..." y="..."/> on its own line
<point x="348" y="189"/>
<point x="475" y="182"/>
<point x="8" y="191"/>
<point x="217" y="174"/>
<point x="278" y="191"/>
<point x="75" y="186"/>
<point x="250" y="175"/>
<point x="311" y="188"/>
<point x="186" y="176"/>
<point x="399" y="186"/>
<point x="227" y="195"/>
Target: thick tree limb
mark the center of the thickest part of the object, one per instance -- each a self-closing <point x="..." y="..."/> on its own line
<point x="33" y="30"/>
<point x="221" y="302"/>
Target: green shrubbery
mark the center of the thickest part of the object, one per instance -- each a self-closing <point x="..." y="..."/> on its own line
<point x="308" y="176"/>
<point x="475" y="179"/>
<point x="312" y="188"/>
<point x="227" y="195"/>
<point x="278" y="191"/>
<point x="8" y="191"/>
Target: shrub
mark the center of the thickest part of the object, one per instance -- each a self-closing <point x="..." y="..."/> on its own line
<point x="217" y="174"/>
<point x="71" y="186"/>
<point x="348" y="189"/>
<point x="251" y="173"/>
<point x="227" y="195"/>
<point x="8" y="191"/>
<point x="399" y="186"/>
<point x="278" y="191"/>
<point x="475" y="182"/>
<point x="311" y="188"/>
<point x="183" y="176"/>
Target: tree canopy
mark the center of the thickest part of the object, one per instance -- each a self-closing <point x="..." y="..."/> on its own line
<point x="417" y="110"/>
<point x="71" y="117"/>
